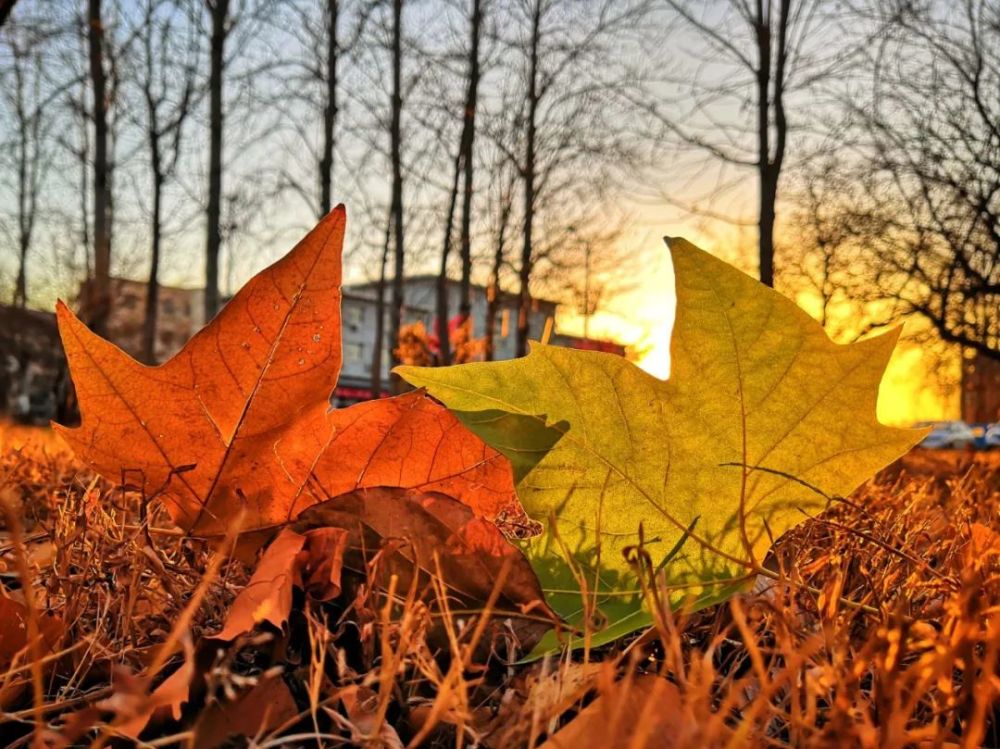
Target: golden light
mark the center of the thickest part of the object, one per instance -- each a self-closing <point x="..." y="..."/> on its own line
<point x="915" y="386"/>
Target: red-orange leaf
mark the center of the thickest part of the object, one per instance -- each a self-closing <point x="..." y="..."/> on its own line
<point x="268" y="594"/>
<point x="240" y="416"/>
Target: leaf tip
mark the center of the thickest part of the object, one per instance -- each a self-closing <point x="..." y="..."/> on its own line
<point x="67" y="320"/>
<point x="64" y="314"/>
<point x="64" y="433"/>
<point x="675" y="244"/>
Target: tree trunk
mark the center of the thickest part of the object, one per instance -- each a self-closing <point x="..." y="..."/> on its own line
<point x="25" y="193"/>
<point x="99" y="303"/>
<point x="494" y="297"/>
<point x="21" y="287"/>
<point x="524" y="307"/>
<point x="219" y="10"/>
<point x="397" y="188"/>
<point x="444" y="344"/>
<point x="765" y="225"/>
<point x="468" y="148"/>
<point x="329" y="112"/>
<point x="380" y="314"/>
<point x="85" y="183"/>
<point x="464" y="168"/>
<point x="153" y="286"/>
<point x="492" y="304"/>
<point x="769" y="165"/>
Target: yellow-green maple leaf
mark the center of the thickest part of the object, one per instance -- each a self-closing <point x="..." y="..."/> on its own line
<point x="763" y="418"/>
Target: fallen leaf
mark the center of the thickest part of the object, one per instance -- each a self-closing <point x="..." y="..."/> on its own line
<point x="763" y="418"/>
<point x="312" y="561"/>
<point x="134" y="707"/>
<point x="635" y="713"/>
<point x="437" y="534"/>
<point x="240" y="418"/>
<point x="265" y="706"/>
<point x="15" y="645"/>
<point x="321" y="562"/>
<point x="268" y="594"/>
<point x="428" y="532"/>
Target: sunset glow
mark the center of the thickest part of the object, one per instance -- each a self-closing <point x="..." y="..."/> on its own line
<point x="913" y="388"/>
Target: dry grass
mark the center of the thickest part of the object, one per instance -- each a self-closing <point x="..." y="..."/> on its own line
<point x="883" y="630"/>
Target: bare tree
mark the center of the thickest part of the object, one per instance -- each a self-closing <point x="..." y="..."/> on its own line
<point x="24" y="89"/>
<point x="930" y="159"/>
<point x="167" y="79"/>
<point x="442" y="279"/>
<point x="505" y="186"/>
<point x="569" y="150"/>
<point x="329" y="108"/>
<point x="81" y="152"/>
<point x="529" y="172"/>
<point x="310" y="92"/>
<point x="218" y="11"/>
<point x="99" y="304"/>
<point x="750" y="57"/>
<point x="464" y="166"/>
<point x="822" y="246"/>
<point x="396" y="156"/>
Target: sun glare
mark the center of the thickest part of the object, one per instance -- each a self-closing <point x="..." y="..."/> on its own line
<point x="914" y="388"/>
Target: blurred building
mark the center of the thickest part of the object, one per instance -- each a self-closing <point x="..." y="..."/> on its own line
<point x="34" y="382"/>
<point x="180" y="314"/>
<point x="980" y="389"/>
<point x="359" y="317"/>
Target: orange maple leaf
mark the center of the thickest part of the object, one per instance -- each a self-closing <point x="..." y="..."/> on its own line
<point x="240" y="417"/>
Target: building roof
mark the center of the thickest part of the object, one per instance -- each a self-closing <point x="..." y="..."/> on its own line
<point x="365" y="299"/>
<point x="451" y="282"/>
<point x="134" y="282"/>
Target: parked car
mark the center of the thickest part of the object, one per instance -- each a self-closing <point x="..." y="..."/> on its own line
<point x="979" y="432"/>
<point x="991" y="437"/>
<point x="955" y="435"/>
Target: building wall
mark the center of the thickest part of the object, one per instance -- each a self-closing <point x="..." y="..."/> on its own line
<point x="180" y="315"/>
<point x="34" y="381"/>
<point x="358" y="313"/>
<point x="422" y="292"/>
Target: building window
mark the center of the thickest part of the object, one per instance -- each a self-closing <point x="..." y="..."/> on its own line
<point x="168" y="308"/>
<point x="353" y="351"/>
<point x="353" y="315"/>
